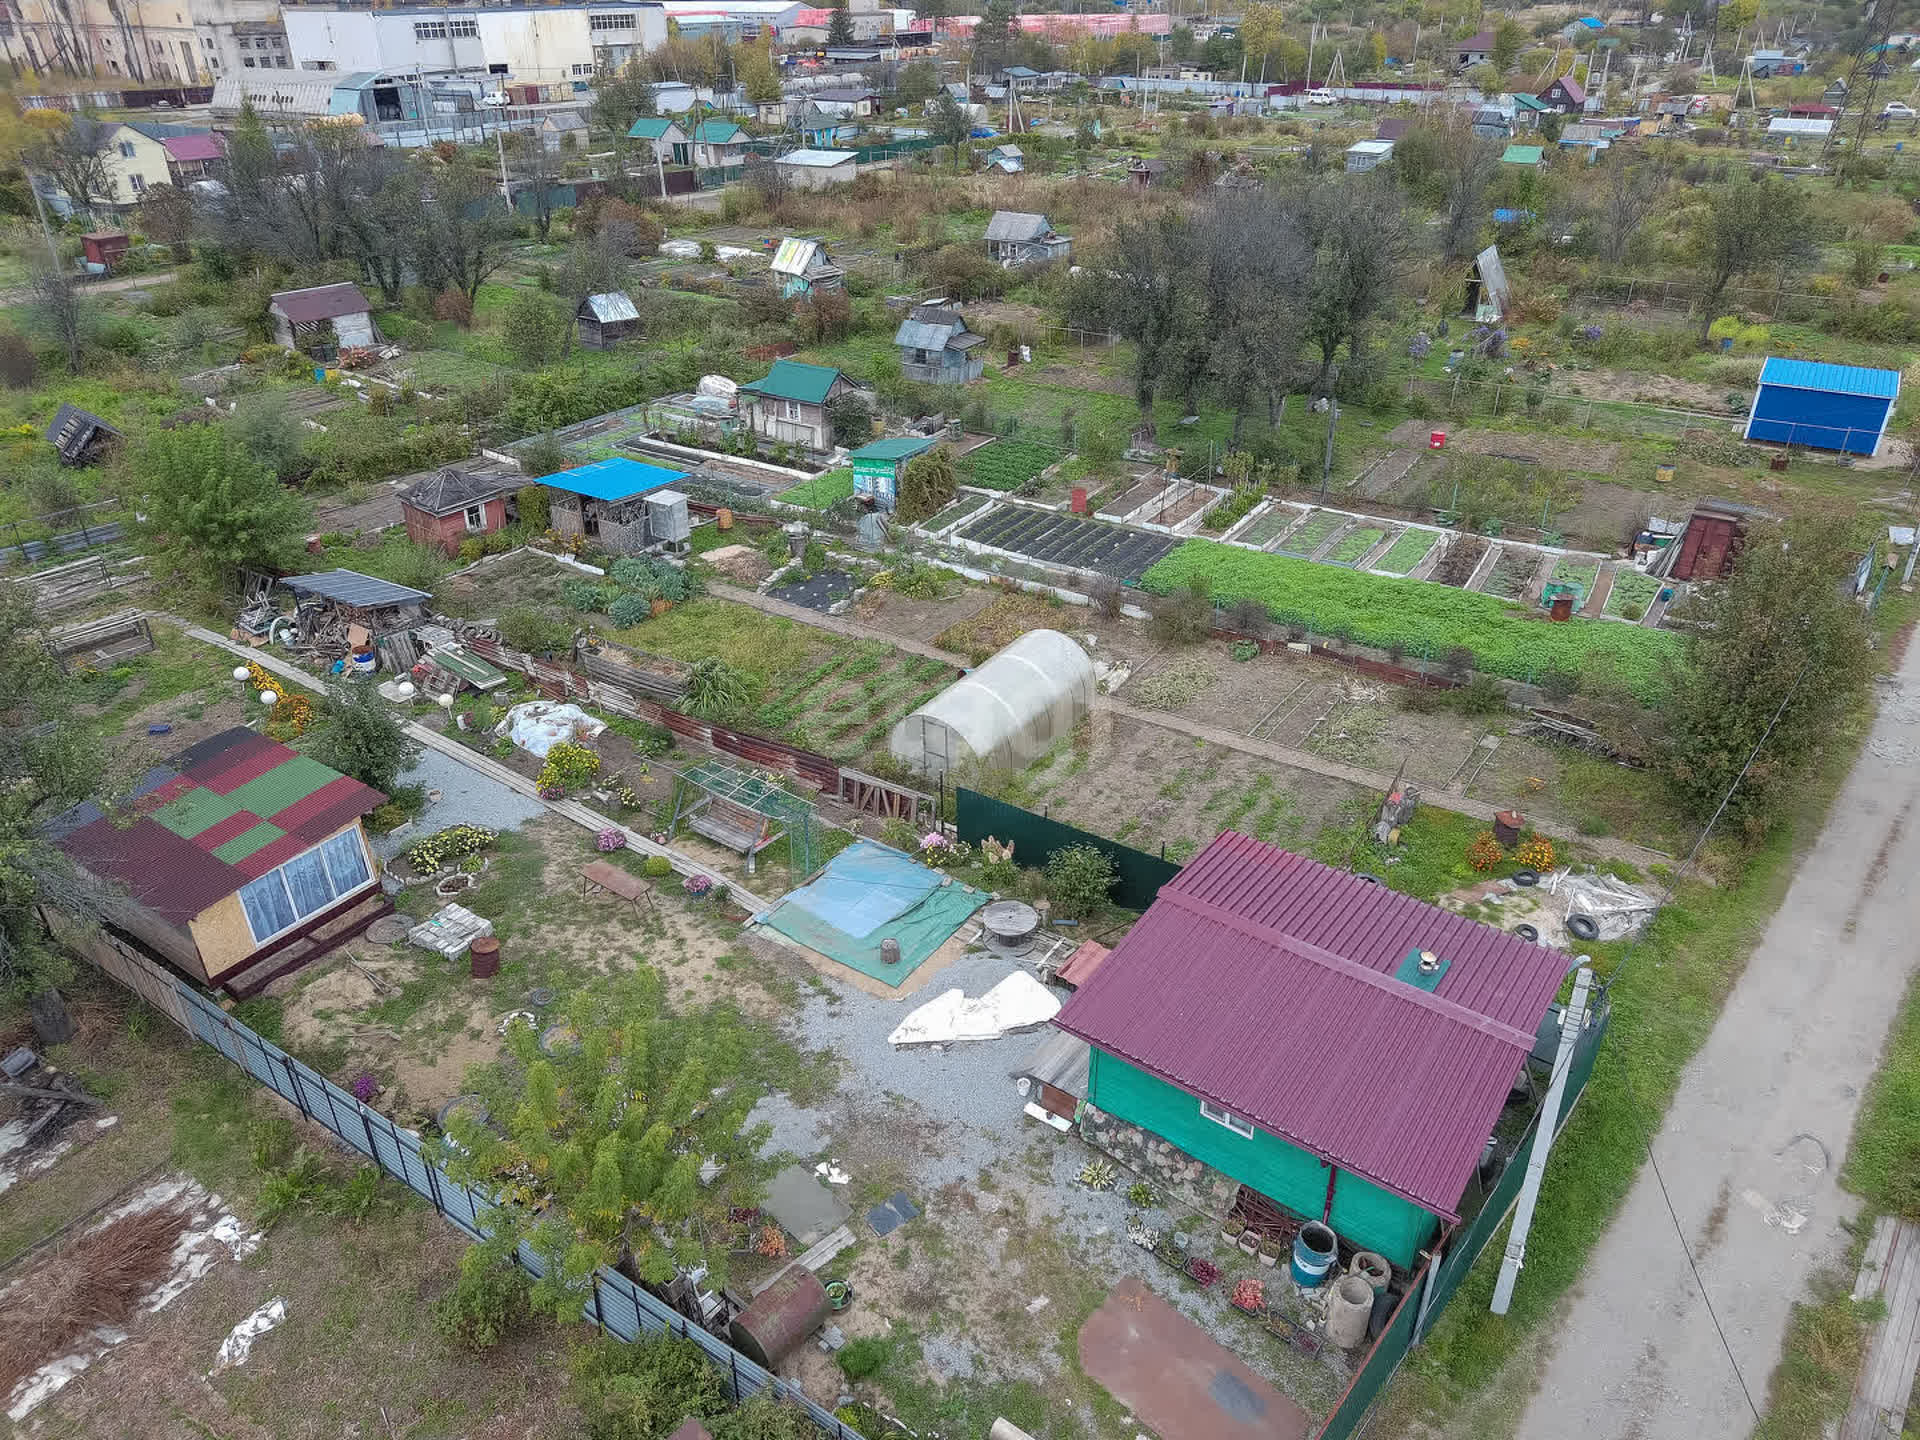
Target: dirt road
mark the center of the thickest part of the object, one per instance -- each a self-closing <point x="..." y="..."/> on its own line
<point x="1752" y="1145"/>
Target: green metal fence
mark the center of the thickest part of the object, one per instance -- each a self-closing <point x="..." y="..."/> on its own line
<point x="1423" y="1303"/>
<point x="1035" y="838"/>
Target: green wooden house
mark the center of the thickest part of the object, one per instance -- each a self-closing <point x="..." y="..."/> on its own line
<point x="1305" y="1039"/>
<point x="877" y="467"/>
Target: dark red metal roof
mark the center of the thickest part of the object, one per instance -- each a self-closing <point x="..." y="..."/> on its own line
<point x="178" y="876"/>
<point x="1264" y="982"/>
<point x="321" y="302"/>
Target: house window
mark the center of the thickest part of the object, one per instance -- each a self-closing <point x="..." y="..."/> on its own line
<point x="793" y="409"/>
<point x="429" y="29"/>
<point x="139" y="184"/>
<point x="610" y="22"/>
<point x="247" y="60"/>
<point x="476" y="517"/>
<point x="126" y="149"/>
<point x="305" y="885"/>
<point x="1227" y="1118"/>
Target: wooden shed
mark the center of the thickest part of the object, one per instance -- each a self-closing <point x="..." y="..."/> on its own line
<point x="605" y="320"/>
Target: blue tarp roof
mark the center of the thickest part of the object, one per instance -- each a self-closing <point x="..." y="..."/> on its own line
<point x="615" y="479"/>
<point x="1841" y="379"/>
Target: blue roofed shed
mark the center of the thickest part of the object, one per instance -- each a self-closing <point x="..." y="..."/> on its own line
<point x="620" y="505"/>
<point x="1827" y="407"/>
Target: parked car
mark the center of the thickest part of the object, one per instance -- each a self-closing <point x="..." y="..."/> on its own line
<point x="1322" y="97"/>
<point x="1896" y="110"/>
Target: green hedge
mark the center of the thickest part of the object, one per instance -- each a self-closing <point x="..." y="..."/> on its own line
<point x="1424" y="618"/>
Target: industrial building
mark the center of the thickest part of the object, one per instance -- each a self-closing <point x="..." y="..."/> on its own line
<point x="527" y="44"/>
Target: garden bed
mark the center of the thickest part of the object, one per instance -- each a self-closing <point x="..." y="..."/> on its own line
<point x="1005" y="464"/>
<point x="959" y="510"/>
<point x="1632" y="593"/>
<point x="821" y="591"/>
<point x="821" y="491"/>
<point x="1312" y="535"/>
<point x="1056" y="539"/>
<point x="1511" y="575"/>
<point x="1354" y="544"/>
<point x="1421" y="618"/>
<point x="1407" y="551"/>
<point x="1268" y="525"/>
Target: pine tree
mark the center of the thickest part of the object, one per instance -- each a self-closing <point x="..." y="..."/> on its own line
<point x="840" y="25"/>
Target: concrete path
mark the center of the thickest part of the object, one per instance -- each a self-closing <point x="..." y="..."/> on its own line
<point x="1752" y="1145"/>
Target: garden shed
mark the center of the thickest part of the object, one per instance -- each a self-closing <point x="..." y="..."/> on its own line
<point x="1827" y="407"/>
<point x="1213" y="1028"/>
<point x="611" y="503"/>
<point x="877" y="467"/>
<point x="322" y="317"/>
<point x="1004" y="714"/>
<point x="607" y="319"/>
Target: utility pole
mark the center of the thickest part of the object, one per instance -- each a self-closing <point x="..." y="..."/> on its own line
<point x="499" y="139"/>
<point x="40" y="209"/>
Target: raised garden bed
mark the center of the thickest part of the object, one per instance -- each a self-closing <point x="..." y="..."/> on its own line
<point x="1512" y="573"/>
<point x="1632" y="593"/>
<point x="1180" y="509"/>
<point x="1058" y="539"/>
<point x="1269" y="525"/>
<point x="1577" y="572"/>
<point x="1005" y="464"/>
<point x="1354" y="544"/>
<point x="821" y="491"/>
<point x="1135" y="496"/>
<point x="1312" y="535"/>
<point x="818" y="592"/>
<point x="1408" y="551"/>
<point x="959" y="510"/>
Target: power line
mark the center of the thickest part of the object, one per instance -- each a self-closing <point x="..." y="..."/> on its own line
<point x="1700" y="1282"/>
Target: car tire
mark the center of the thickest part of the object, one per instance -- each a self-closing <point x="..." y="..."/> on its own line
<point x="1527" y="932"/>
<point x="1583" y="927"/>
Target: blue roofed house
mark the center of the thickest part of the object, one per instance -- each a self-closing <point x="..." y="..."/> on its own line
<point x="1007" y="159"/>
<point x="621" y="505"/>
<point x="1827" y="407"/>
<point x="935" y="345"/>
<point x="788" y="405"/>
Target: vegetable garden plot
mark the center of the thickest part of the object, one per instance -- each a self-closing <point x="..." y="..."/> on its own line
<point x="1310" y="536"/>
<point x="957" y="511"/>
<point x="1136" y="496"/>
<point x="1407" y="551"/>
<point x="1005" y="464"/>
<point x="1511" y="574"/>
<point x="1632" y="593"/>
<point x="821" y="491"/>
<point x="1582" y="573"/>
<point x="1354" y="544"/>
<point x="1068" y="540"/>
<point x="1269" y="525"/>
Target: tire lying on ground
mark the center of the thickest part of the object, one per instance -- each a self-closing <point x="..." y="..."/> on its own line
<point x="1583" y="927"/>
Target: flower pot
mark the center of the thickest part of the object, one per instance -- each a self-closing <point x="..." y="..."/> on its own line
<point x="1249" y="1243"/>
<point x="1269" y="1260"/>
<point x="1230" y="1237"/>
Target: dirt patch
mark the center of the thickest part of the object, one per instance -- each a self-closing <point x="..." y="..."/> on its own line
<point x="520" y="577"/>
<point x="1640" y="388"/>
<point x="1597" y="457"/>
<point x="742" y="564"/>
<point x="920" y="620"/>
<point x="191" y="720"/>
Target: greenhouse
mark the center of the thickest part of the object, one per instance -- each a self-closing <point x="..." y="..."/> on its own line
<point x="1006" y="713"/>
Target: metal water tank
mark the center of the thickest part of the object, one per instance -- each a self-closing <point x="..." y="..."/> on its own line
<point x="781" y="1317"/>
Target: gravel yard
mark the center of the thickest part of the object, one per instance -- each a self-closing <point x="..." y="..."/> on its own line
<point x="466" y="798"/>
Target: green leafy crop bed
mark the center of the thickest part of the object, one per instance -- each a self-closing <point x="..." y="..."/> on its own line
<point x="1423" y="618"/>
<point x="1408" y="551"/>
<point x="1005" y="464"/>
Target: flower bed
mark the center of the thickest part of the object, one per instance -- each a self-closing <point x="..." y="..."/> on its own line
<point x="452" y="843"/>
<point x="1408" y="551"/>
<point x="1422" y="618"/>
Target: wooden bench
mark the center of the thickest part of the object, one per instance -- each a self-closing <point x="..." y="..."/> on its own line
<point x="746" y="832"/>
<point x="604" y="877"/>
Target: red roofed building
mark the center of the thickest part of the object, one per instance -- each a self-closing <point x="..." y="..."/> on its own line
<point x="1566" y="95"/>
<point x="1272" y="1018"/>
<point x="236" y="851"/>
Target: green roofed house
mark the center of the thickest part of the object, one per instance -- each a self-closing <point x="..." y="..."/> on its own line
<point x="788" y="405"/>
<point x="670" y="143"/>
<point x="719" y="145"/>
<point x="877" y="467"/>
<point x="239" y="860"/>
<point x="1524" y="155"/>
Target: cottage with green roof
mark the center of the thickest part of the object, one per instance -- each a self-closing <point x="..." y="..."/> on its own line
<point x="670" y="143"/>
<point x="1532" y="156"/>
<point x="719" y="145"/>
<point x="788" y="405"/>
<point x="235" y="861"/>
<point x="877" y="467"/>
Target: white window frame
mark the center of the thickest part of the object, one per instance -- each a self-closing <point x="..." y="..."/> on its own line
<point x="793" y="410"/>
<point x="299" y="919"/>
<point x="138" y="183"/>
<point x="1226" y="1119"/>
<point x="126" y="150"/>
<point x="468" y="29"/>
<point x="476" y="517"/>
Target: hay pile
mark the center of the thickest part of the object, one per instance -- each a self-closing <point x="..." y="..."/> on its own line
<point x="93" y="1281"/>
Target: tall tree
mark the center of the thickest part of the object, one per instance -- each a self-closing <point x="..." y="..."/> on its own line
<point x="211" y="507"/>
<point x="993" y="37"/>
<point x="950" y="124"/>
<point x="1475" y="162"/>
<point x="61" y="310"/>
<point x="759" y="76"/>
<point x="918" y="80"/>
<point x="464" y="233"/>
<point x="73" y="151"/>
<point x="1256" y="260"/>
<point x="1784" y="625"/>
<point x="166" y="214"/>
<point x="360" y="734"/>
<point x="1628" y="195"/>
<point x="1508" y="40"/>
<point x="538" y="170"/>
<point x="1749" y="227"/>
<point x="46" y="766"/>
<point x="840" y="24"/>
<point x="1358" y="228"/>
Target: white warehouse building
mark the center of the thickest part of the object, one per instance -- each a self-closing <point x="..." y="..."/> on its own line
<point x="523" y="44"/>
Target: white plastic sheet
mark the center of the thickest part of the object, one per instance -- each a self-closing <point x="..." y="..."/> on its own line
<point x="538" y="725"/>
<point x="1619" y="909"/>
<point x="1017" y="1003"/>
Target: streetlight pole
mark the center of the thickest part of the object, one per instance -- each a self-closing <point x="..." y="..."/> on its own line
<point x="499" y="139"/>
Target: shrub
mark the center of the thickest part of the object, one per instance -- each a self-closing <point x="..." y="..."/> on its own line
<point x="1482" y="695"/>
<point x="1107" y="594"/>
<point x="569" y="766"/>
<point x="862" y="1358"/>
<point x="452" y="843"/>
<point x="656" y="867"/>
<point x="1484" y="851"/>
<point x="643" y="1390"/>
<point x="18" y="367"/>
<point x="1559" y="685"/>
<point x="1079" y="879"/>
<point x="716" y="690"/>
<point x="1535" y="853"/>
<point x="487" y="1303"/>
<point x="455" y="306"/>
<point x="529" y="628"/>
<point x="1184" y="616"/>
<point x="813" y="559"/>
<point x="630" y="609"/>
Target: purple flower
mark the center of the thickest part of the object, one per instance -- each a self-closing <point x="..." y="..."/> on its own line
<point x="1592" y="332"/>
<point x="365" y="1087"/>
<point x="697" y="885"/>
<point x="611" y="839"/>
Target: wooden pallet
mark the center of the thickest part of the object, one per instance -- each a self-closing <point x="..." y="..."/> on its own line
<point x="1891" y="1270"/>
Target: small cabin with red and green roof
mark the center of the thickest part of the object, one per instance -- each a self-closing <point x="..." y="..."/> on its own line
<point x="1339" y="1050"/>
<point x="235" y="853"/>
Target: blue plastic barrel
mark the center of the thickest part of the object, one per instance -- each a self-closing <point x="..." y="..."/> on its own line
<point x="1314" y="1251"/>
